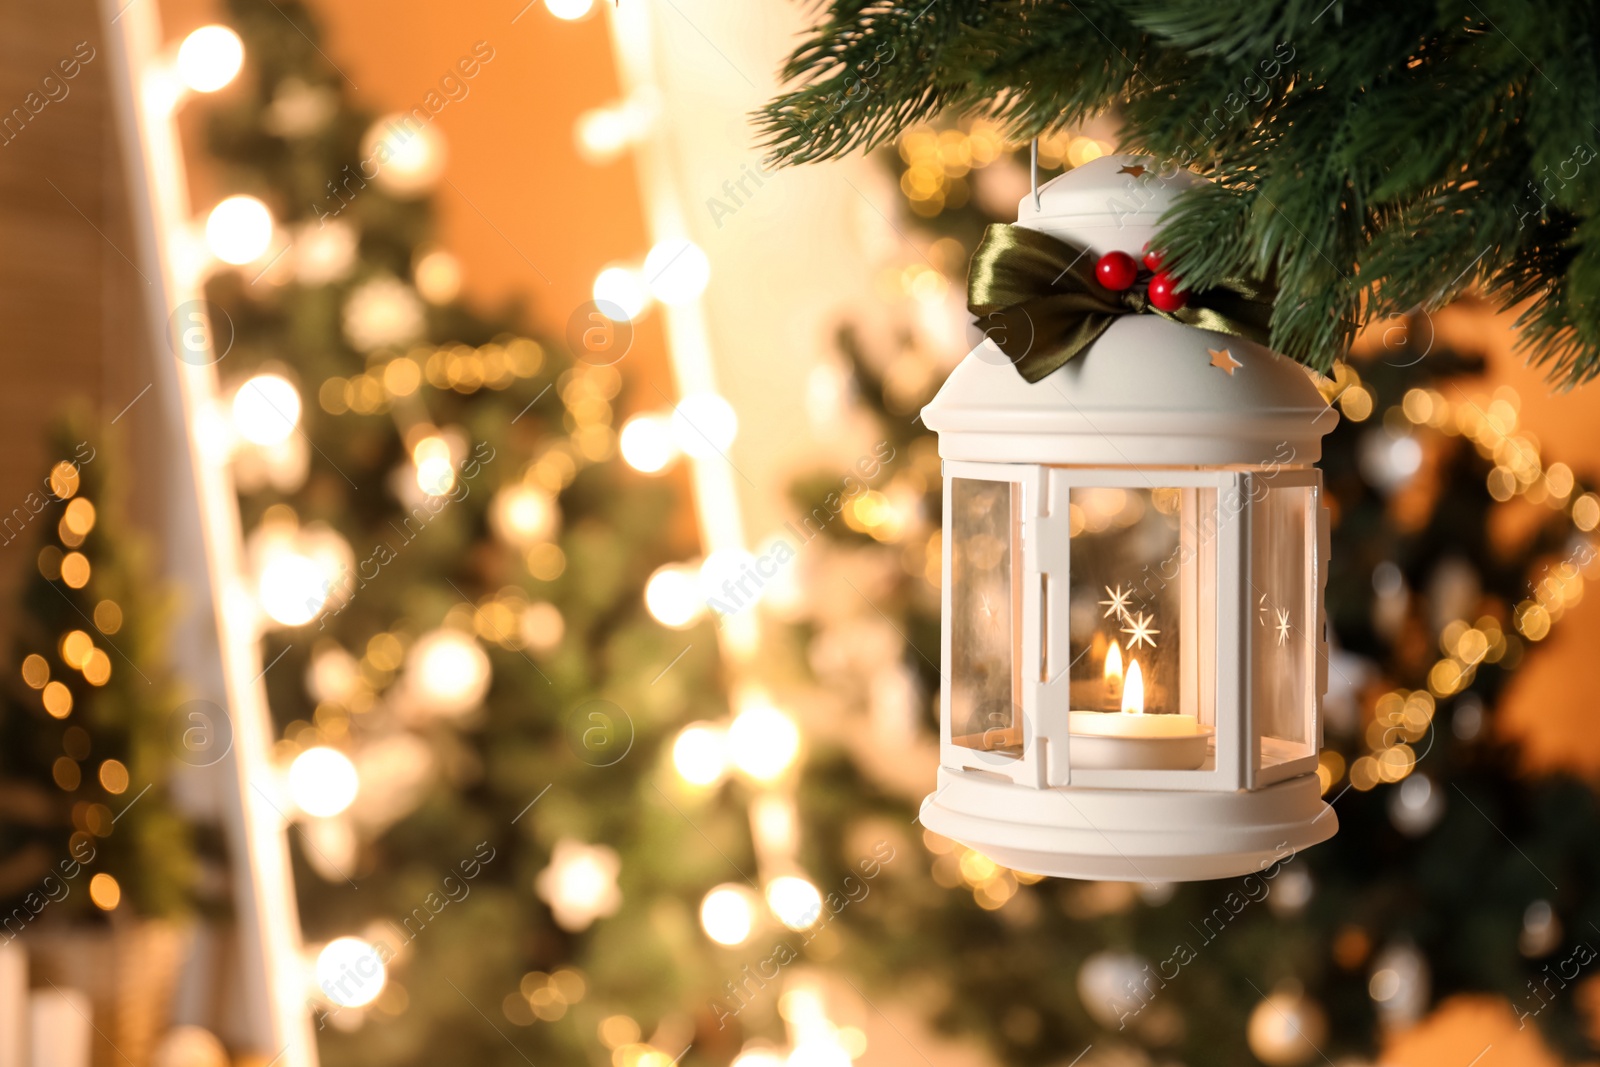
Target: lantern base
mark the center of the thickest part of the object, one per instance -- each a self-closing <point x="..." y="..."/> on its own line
<point x="1129" y="834"/>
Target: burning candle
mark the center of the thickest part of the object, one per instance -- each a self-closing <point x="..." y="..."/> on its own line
<point x="1113" y="676"/>
<point x="1132" y="740"/>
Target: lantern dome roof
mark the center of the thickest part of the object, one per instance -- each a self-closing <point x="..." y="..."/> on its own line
<point x="1149" y="390"/>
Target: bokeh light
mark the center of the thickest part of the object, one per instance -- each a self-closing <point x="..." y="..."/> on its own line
<point x="569" y="10"/>
<point x="437" y="276"/>
<point x="522" y="514"/>
<point x="647" y="443"/>
<point x="266" y="409"/>
<point x="292" y="588"/>
<point x="763" y="741"/>
<point x="759" y="1057"/>
<point x="794" y="901"/>
<point x="322" y="781"/>
<point x="409" y="156"/>
<point x="720" y="575"/>
<point x="700" y="754"/>
<point x="621" y="290"/>
<point x="239" y="230"/>
<point x="210" y="58"/>
<point x="436" y="467"/>
<point x="447" y="672"/>
<point x="604" y="133"/>
<point x="105" y="892"/>
<point x="727" y="916"/>
<point x="704" y="425"/>
<point x="676" y="271"/>
<point x="673" y="597"/>
<point x="350" y="972"/>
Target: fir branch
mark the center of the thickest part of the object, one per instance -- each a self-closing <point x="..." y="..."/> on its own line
<point x="1377" y="157"/>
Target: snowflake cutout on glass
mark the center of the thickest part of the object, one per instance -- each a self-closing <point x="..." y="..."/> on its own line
<point x="1118" y="604"/>
<point x="1139" y="630"/>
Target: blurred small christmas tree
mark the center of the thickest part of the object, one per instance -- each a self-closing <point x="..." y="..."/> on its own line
<point x="85" y="751"/>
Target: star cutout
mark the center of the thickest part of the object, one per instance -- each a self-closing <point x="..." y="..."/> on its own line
<point x="1138" y="629"/>
<point x="1118" y="604"/>
<point x="1222" y="359"/>
<point x="1263" y="610"/>
<point x="1135" y="169"/>
<point x="1283" y="625"/>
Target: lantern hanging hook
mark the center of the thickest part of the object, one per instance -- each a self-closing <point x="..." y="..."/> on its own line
<point x="1033" y="172"/>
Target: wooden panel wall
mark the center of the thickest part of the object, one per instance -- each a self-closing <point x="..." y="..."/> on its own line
<point x="71" y="327"/>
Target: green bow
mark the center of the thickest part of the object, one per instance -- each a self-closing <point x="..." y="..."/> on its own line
<point x="1037" y="298"/>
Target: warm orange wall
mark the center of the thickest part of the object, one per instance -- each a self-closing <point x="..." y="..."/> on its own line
<point x="524" y="213"/>
<point x="528" y="218"/>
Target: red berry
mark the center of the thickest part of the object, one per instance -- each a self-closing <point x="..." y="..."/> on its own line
<point x="1152" y="260"/>
<point x="1166" y="294"/>
<point x="1116" y="271"/>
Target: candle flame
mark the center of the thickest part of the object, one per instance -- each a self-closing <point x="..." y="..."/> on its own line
<point x="1114" y="663"/>
<point x="1133" y="691"/>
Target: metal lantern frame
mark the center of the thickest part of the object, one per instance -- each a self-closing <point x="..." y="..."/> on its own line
<point x="1143" y="408"/>
<point x="1043" y="645"/>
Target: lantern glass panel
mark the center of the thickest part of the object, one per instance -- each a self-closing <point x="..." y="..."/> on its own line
<point x="985" y="615"/>
<point x="1284" y="629"/>
<point x="1142" y="580"/>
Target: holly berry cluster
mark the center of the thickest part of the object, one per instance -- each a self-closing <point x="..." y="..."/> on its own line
<point x="1118" y="271"/>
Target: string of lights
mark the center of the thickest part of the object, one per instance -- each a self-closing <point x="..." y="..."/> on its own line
<point x="761" y="743"/>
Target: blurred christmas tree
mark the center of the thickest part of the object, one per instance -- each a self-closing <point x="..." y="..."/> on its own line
<point x="85" y="747"/>
<point x="1444" y="875"/>
<point x="476" y="710"/>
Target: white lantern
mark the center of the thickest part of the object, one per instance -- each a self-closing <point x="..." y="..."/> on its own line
<point x="1134" y="557"/>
